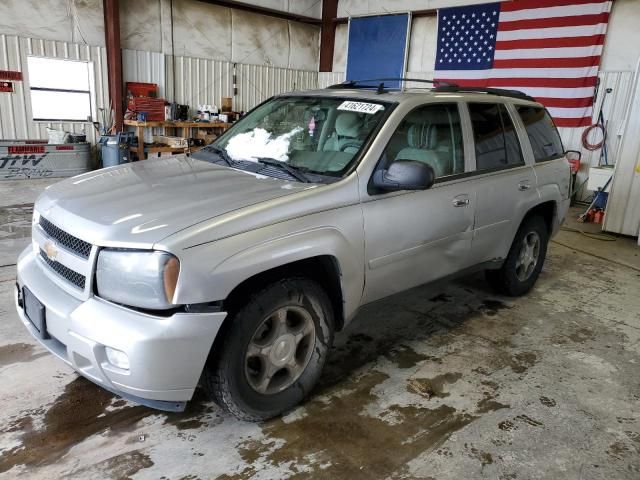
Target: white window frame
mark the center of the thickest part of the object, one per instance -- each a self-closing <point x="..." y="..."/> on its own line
<point x="91" y="92"/>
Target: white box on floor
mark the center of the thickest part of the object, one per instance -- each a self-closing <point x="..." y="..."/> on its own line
<point x="598" y="178"/>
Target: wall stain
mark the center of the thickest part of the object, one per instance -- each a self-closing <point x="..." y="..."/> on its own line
<point x="19" y="352"/>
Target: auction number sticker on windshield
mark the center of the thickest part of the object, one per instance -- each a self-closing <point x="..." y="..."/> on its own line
<point x="360" y="107"/>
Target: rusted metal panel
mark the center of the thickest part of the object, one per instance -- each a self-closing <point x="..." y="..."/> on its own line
<point x="15" y="108"/>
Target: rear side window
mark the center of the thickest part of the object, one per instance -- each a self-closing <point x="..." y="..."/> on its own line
<point x="494" y="135"/>
<point x="542" y="133"/>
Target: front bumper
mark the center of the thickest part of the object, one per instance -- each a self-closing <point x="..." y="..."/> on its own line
<point x="166" y="354"/>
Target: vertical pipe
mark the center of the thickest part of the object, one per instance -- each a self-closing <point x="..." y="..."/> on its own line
<point x="114" y="59"/>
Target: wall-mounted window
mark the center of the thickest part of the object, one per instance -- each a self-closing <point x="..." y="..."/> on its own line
<point x="60" y="89"/>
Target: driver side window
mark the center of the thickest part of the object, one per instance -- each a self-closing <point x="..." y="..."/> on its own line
<point x="430" y="134"/>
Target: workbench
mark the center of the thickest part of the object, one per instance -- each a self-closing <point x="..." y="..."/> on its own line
<point x="185" y="128"/>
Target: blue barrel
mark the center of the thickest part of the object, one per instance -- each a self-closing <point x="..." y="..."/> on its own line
<point x="115" y="148"/>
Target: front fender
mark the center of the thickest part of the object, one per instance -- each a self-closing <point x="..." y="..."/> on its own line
<point x="211" y="271"/>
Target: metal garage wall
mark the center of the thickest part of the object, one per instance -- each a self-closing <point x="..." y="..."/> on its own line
<point x="204" y="81"/>
<point x="15" y="108"/>
<point x="330" y="78"/>
<point x="615" y="107"/>
<point x="148" y="67"/>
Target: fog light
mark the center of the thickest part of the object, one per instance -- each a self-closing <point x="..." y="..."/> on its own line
<point x="117" y="358"/>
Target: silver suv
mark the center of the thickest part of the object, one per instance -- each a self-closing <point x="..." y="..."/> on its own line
<point x="233" y="268"/>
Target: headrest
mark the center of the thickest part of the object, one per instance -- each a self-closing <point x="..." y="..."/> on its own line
<point x="348" y="124"/>
<point x="422" y="136"/>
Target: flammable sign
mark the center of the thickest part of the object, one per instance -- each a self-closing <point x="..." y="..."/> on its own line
<point x="6" y="86"/>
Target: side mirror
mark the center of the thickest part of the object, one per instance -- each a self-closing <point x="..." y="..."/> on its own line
<point x="405" y="175"/>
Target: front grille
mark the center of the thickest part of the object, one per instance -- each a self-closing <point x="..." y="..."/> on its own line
<point x="69" y="275"/>
<point x="71" y="243"/>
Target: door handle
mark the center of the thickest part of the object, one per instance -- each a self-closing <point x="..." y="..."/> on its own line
<point x="522" y="186"/>
<point x="460" y="202"/>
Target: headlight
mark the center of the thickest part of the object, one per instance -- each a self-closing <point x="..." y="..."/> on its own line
<point x="36" y="217"/>
<point x="137" y="278"/>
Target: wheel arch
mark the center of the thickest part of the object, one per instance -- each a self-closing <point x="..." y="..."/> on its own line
<point x="323" y="269"/>
<point x="548" y="211"/>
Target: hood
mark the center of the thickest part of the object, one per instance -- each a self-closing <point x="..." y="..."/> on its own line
<point x="143" y="202"/>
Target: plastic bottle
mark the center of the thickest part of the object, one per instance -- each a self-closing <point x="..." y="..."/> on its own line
<point x="214" y="114"/>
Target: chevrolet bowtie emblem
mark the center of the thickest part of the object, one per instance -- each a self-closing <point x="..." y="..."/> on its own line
<point x="51" y="249"/>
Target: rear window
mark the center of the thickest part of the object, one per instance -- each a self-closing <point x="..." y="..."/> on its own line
<point x="495" y="138"/>
<point x="542" y="133"/>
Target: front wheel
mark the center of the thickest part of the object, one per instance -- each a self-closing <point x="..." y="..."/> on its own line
<point x="274" y="350"/>
<point x="524" y="262"/>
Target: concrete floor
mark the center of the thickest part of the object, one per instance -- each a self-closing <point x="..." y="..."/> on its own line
<point x="442" y="382"/>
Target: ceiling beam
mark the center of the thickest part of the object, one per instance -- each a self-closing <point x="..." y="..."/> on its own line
<point x="269" y="12"/>
<point x="414" y="14"/>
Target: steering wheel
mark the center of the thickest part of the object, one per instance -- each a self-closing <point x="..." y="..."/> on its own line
<point x="356" y="145"/>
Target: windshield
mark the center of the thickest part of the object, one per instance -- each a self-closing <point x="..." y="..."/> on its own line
<point x="310" y="134"/>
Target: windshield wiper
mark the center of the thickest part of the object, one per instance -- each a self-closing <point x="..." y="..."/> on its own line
<point x="222" y="153"/>
<point x="295" y="173"/>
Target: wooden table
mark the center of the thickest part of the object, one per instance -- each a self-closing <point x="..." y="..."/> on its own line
<point x="186" y="127"/>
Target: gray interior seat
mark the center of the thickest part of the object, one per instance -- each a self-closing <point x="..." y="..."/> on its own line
<point x="348" y="131"/>
<point x="424" y="147"/>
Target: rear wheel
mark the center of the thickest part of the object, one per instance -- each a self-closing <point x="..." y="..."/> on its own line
<point x="524" y="261"/>
<point x="274" y="350"/>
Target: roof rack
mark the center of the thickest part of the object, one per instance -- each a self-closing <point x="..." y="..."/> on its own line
<point x="439" y="86"/>
<point x="489" y="91"/>
<point x="380" y="88"/>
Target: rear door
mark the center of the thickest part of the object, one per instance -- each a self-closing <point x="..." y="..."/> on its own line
<point x="414" y="237"/>
<point x="551" y="167"/>
<point x="504" y="180"/>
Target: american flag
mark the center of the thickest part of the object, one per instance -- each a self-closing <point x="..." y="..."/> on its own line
<point x="549" y="49"/>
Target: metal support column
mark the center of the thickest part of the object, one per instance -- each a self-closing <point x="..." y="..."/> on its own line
<point x="114" y="59"/>
<point x="328" y="34"/>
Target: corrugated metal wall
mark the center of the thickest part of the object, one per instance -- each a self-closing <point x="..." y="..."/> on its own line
<point x="15" y="108"/>
<point x="199" y="81"/>
<point x="148" y="67"/>
<point x="614" y="110"/>
<point x="202" y="81"/>
<point x="329" y="78"/>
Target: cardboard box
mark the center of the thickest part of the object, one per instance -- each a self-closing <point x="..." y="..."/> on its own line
<point x="207" y="137"/>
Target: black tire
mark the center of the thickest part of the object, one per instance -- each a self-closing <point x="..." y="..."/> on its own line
<point x="505" y="280"/>
<point x="225" y="377"/>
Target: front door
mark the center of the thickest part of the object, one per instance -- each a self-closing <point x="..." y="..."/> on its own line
<point x="415" y="237"/>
